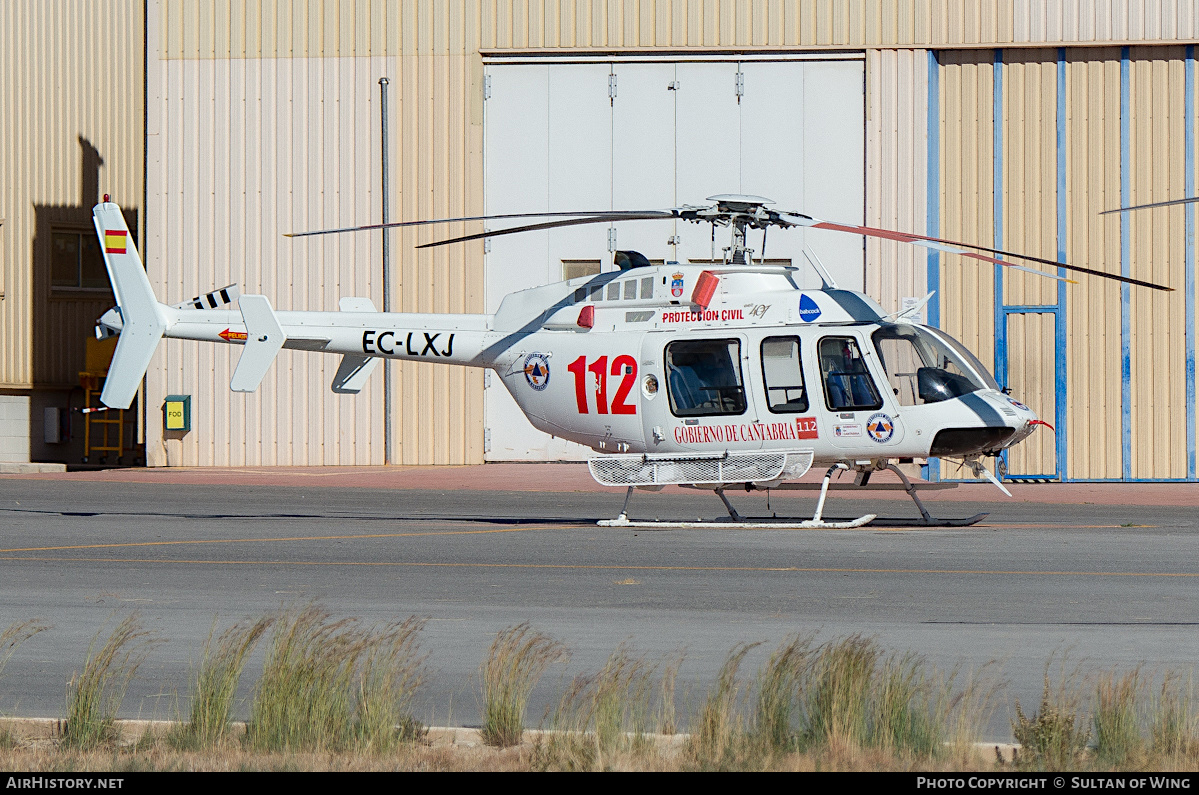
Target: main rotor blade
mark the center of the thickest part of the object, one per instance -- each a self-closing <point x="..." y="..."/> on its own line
<point x="925" y="240"/>
<point x="395" y="224"/>
<point x="1190" y="200"/>
<point x="598" y="219"/>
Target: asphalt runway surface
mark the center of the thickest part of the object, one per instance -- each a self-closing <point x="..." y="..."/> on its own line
<point x="1101" y="585"/>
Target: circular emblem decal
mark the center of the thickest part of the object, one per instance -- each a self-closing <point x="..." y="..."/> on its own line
<point x="880" y="427"/>
<point x="537" y="370"/>
<point x="1018" y="404"/>
<point x="676" y="284"/>
<point x="808" y="310"/>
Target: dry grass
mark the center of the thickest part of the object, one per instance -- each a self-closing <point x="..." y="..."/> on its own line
<point x="94" y="696"/>
<point x="969" y="711"/>
<point x="215" y="685"/>
<point x="17" y="633"/>
<point x="838" y="692"/>
<point x="1173" y="729"/>
<point x="1116" y="720"/>
<point x="779" y="719"/>
<point x="603" y="721"/>
<point x="336" y="696"/>
<point x="518" y="658"/>
<point x="392" y="670"/>
<point x="718" y="741"/>
<point x="330" y="685"/>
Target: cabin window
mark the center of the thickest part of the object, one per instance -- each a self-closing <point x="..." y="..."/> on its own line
<point x="782" y="375"/>
<point x="921" y="368"/>
<point x="630" y="290"/>
<point x="847" y="382"/>
<point x="647" y="287"/>
<point x="613" y="291"/>
<point x="703" y="378"/>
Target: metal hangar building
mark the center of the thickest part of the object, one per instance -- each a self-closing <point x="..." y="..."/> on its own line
<point x="219" y="125"/>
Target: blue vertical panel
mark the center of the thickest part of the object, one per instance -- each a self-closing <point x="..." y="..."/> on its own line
<point x="1001" y="368"/>
<point x="933" y="205"/>
<point x="1059" y="321"/>
<point x="933" y="188"/>
<point x="1189" y="121"/>
<point x="1125" y="268"/>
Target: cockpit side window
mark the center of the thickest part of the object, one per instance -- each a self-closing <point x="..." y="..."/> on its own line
<point x="782" y="375"/>
<point x="922" y="368"/>
<point x="703" y="378"/>
<point x="847" y="383"/>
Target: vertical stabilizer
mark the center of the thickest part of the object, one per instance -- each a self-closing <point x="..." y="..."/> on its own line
<point x="142" y="318"/>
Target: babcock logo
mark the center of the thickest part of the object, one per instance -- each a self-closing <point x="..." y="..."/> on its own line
<point x="808" y="311"/>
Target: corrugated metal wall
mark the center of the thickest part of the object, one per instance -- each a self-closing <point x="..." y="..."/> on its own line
<point x="71" y="89"/>
<point x="1093" y="308"/>
<point x="243" y="149"/>
<point x="896" y="170"/>
<point x="1051" y="21"/>
<point x="967" y="196"/>
<point x="339" y="28"/>
<point x="1156" y="173"/>
<point x="1122" y="139"/>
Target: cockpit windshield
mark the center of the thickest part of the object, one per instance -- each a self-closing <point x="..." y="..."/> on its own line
<point x="923" y="366"/>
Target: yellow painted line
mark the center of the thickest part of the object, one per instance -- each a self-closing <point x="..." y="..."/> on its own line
<point x="514" y="529"/>
<point x="608" y="567"/>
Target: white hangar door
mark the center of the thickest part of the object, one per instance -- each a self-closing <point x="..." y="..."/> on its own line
<point x="656" y="134"/>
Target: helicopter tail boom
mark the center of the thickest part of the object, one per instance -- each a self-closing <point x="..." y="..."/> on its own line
<point x="143" y="319"/>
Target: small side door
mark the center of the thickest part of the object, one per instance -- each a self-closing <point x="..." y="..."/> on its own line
<point x="863" y="419"/>
<point x="789" y="404"/>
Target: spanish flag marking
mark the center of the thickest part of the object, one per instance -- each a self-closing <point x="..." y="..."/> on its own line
<point x="114" y="241"/>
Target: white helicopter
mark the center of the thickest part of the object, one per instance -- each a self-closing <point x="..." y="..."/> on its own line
<point x="710" y="376"/>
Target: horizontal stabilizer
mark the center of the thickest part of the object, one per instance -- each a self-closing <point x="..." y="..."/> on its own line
<point x="355" y="304"/>
<point x="264" y="339"/>
<point x="353" y="371"/>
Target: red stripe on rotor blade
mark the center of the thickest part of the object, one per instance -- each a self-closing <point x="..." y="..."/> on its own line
<point x="867" y="230"/>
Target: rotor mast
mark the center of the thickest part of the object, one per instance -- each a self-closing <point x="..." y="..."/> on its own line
<point x="739" y="213"/>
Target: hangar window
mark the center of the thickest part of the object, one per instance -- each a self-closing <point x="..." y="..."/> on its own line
<point x="76" y="262"/>
<point x="703" y="378"/>
<point x="577" y="268"/>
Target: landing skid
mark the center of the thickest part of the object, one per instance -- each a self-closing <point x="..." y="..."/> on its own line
<point x="817" y="521"/>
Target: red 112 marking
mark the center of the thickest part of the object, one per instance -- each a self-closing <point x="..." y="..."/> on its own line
<point x="623" y="364"/>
